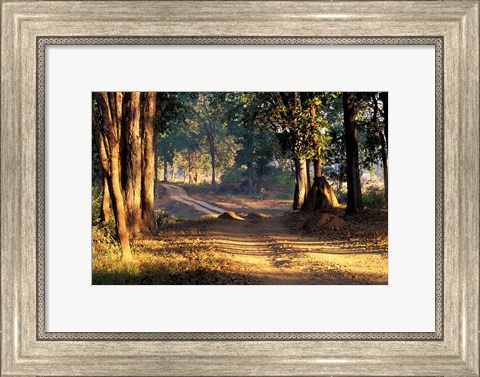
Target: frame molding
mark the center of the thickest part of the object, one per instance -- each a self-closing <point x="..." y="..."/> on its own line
<point x="26" y="350"/>
<point x="43" y="42"/>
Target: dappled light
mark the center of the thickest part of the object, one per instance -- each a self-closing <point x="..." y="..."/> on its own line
<point x="240" y="188"/>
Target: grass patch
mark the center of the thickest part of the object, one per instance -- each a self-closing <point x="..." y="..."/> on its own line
<point x="179" y="257"/>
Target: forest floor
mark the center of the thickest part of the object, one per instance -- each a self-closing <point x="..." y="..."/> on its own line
<point x="270" y="246"/>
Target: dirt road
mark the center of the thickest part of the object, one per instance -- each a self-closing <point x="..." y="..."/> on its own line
<point x="179" y="194"/>
<point x="266" y="250"/>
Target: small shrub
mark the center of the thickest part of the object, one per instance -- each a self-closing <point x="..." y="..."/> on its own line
<point x="97" y="197"/>
<point x="104" y="236"/>
<point x="233" y="174"/>
<point x="284" y="196"/>
<point x="374" y="197"/>
<point x="164" y="219"/>
<point x="341" y="196"/>
<point x="259" y="196"/>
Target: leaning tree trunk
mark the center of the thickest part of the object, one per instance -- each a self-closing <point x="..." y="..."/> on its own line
<point x="148" y="162"/>
<point x="301" y="187"/>
<point x="105" y="209"/>
<point x="354" y="194"/>
<point x="133" y="168"/>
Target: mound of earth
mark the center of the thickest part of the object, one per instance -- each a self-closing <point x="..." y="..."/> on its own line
<point x="257" y="216"/>
<point x="230" y="215"/>
<point x="325" y="221"/>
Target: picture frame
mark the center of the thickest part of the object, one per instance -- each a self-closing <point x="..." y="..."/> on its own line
<point x="26" y="349"/>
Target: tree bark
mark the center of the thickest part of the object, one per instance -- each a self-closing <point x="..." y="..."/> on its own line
<point x="165" y="169"/>
<point x="212" y="155"/>
<point x="384" y="141"/>
<point x="317" y="165"/>
<point x="317" y="168"/>
<point x="308" y="174"/>
<point x="133" y="158"/>
<point x="156" y="177"/>
<point x="105" y="209"/>
<point x="384" y="98"/>
<point x="301" y="188"/>
<point x="249" y="178"/>
<point x="108" y="143"/>
<point x="148" y="162"/>
<point x="354" y="194"/>
<point x="384" y="163"/>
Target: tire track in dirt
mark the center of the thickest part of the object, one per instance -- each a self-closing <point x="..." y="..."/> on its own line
<point x="267" y="250"/>
<point x="179" y="194"/>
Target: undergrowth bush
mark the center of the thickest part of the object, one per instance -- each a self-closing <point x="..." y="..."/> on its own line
<point x="164" y="219"/>
<point x="374" y="197"/>
<point x="341" y="196"/>
<point x="104" y="236"/>
<point x="97" y="197"/>
<point x="260" y="196"/>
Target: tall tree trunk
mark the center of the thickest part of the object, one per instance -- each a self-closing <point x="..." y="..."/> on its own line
<point x="301" y="188"/>
<point x="354" y="194"/>
<point x="384" y="141"/>
<point x="249" y="178"/>
<point x="105" y="210"/>
<point x="108" y="144"/>
<point x="384" y="163"/>
<point x="165" y="169"/>
<point x="317" y="168"/>
<point x="148" y="161"/>
<point x="133" y="168"/>
<point x="308" y="175"/>
<point x="189" y="167"/>
<point x="212" y="155"/>
<point x="156" y="177"/>
<point x="118" y="202"/>
<point x="384" y="98"/>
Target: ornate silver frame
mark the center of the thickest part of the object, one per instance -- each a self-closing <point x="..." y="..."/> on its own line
<point x="29" y="26"/>
<point x="41" y="45"/>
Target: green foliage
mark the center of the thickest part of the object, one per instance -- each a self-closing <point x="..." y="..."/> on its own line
<point x="374" y="197"/>
<point x="158" y="263"/>
<point x="234" y="174"/>
<point x="97" y="196"/>
<point x="371" y="128"/>
<point x="299" y="121"/>
<point x="163" y="219"/>
<point x="341" y="195"/>
<point x="278" y="178"/>
<point x="104" y="234"/>
<point x="260" y="196"/>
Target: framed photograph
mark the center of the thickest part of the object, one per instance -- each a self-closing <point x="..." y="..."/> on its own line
<point x="240" y="188"/>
